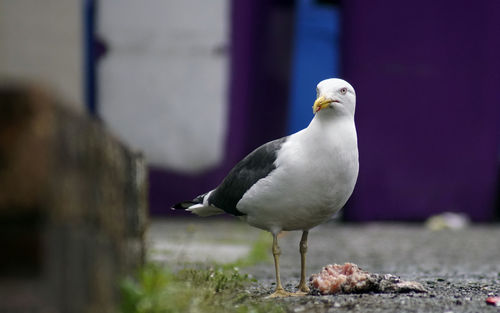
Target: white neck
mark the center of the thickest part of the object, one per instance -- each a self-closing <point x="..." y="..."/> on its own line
<point x="331" y="118"/>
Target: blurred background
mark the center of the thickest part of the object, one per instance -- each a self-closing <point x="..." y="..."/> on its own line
<point x="196" y="85"/>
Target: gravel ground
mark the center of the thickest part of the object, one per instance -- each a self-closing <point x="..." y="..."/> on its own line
<point x="460" y="268"/>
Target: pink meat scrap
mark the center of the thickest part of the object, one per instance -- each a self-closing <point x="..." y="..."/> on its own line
<point x="335" y="278"/>
<point x="349" y="278"/>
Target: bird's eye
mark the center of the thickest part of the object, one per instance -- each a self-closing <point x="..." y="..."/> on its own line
<point x="343" y="90"/>
<point x="317" y="92"/>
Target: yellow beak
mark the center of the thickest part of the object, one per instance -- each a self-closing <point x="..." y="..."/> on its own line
<point x="321" y="103"/>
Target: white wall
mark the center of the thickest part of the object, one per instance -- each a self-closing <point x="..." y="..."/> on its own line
<point x="163" y="84"/>
<point x="41" y="41"/>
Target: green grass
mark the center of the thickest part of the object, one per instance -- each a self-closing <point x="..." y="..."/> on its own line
<point x="260" y="252"/>
<point x="218" y="288"/>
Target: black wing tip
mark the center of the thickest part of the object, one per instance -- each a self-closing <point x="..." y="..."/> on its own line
<point x="182" y="205"/>
<point x="186" y="204"/>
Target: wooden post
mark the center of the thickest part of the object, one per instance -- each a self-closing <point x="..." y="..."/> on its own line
<point x="73" y="208"/>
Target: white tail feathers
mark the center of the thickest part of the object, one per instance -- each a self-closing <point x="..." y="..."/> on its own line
<point x="201" y="210"/>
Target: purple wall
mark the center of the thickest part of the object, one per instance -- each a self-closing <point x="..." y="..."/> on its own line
<point x="427" y="76"/>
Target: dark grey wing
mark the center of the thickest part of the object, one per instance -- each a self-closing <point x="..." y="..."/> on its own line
<point x="258" y="164"/>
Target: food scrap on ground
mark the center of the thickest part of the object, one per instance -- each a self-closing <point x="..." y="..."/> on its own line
<point x="447" y="220"/>
<point x="493" y="301"/>
<point x="349" y="278"/>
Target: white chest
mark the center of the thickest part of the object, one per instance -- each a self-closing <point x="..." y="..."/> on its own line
<point x="315" y="175"/>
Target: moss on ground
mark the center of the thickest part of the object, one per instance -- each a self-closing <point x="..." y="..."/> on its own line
<point x="217" y="288"/>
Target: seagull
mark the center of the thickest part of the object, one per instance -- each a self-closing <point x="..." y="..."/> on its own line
<point x="296" y="182"/>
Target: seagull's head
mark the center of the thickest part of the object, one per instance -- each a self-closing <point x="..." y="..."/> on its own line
<point x="335" y="94"/>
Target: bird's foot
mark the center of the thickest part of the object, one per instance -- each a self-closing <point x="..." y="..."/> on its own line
<point x="302" y="289"/>
<point x="280" y="293"/>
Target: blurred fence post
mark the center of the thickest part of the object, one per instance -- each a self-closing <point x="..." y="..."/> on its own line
<point x="73" y="208"/>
